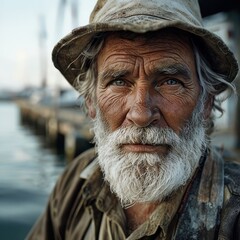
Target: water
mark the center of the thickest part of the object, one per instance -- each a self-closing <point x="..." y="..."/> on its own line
<point x="28" y="172"/>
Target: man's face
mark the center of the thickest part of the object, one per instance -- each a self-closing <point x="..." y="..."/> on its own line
<point x="143" y="84"/>
<point x="149" y="141"/>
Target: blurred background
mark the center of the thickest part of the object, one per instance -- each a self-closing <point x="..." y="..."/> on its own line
<point x="42" y="127"/>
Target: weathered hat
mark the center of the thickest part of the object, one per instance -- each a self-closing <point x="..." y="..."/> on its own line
<point x="142" y="16"/>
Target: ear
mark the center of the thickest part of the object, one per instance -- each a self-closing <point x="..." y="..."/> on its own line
<point x="208" y="105"/>
<point x="91" y="108"/>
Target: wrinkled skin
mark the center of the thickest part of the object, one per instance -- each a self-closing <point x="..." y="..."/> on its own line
<point x="146" y="83"/>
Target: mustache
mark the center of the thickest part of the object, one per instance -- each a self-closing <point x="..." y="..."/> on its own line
<point x="148" y="135"/>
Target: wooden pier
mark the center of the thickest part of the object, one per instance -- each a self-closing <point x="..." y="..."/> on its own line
<point x="65" y="129"/>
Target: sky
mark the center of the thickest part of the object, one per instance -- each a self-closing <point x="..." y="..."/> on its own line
<point x="20" y="54"/>
<point x="20" y="25"/>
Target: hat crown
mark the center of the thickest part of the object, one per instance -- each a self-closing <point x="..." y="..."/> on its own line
<point x="187" y="11"/>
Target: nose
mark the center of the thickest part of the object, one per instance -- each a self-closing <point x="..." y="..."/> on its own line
<point x="143" y="111"/>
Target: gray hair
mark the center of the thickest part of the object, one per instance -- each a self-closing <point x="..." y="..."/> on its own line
<point x="209" y="80"/>
<point x="85" y="82"/>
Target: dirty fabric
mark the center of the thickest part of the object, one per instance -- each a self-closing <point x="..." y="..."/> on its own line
<point x="83" y="207"/>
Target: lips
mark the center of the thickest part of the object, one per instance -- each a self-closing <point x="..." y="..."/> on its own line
<point x="146" y="148"/>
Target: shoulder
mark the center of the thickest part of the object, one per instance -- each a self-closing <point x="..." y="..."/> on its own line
<point x="64" y="200"/>
<point x="67" y="193"/>
<point x="230" y="214"/>
<point x="231" y="163"/>
<point x="232" y="171"/>
<point x="232" y="177"/>
<point x="72" y="172"/>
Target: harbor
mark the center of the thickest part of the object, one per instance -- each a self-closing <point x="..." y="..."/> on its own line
<point x="65" y="129"/>
<point x="29" y="170"/>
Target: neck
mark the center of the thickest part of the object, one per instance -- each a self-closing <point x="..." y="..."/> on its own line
<point x="138" y="214"/>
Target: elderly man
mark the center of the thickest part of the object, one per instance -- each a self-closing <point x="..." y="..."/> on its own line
<point x="150" y="74"/>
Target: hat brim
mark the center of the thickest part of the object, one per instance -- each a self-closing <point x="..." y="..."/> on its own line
<point x="66" y="53"/>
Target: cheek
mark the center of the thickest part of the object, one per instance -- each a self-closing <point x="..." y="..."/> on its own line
<point x="176" y="111"/>
<point x="113" y="108"/>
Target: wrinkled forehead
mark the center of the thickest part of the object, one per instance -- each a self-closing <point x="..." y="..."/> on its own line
<point x="152" y="53"/>
<point x="164" y="44"/>
<point x="149" y="38"/>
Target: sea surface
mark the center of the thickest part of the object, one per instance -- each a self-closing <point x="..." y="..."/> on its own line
<point x="28" y="172"/>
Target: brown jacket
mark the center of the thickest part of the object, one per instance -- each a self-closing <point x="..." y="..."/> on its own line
<point x="82" y="206"/>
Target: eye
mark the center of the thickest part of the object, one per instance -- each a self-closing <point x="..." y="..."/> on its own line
<point x="118" y="83"/>
<point x="169" y="82"/>
<point x="172" y="82"/>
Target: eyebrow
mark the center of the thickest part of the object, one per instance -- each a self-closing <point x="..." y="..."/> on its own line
<point x="175" y="69"/>
<point x="110" y="73"/>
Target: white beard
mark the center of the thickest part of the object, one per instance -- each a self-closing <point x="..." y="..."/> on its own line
<point x="146" y="177"/>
